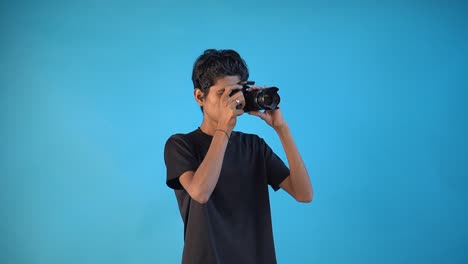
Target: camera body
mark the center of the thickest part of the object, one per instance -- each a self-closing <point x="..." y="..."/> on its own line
<point x="256" y="100"/>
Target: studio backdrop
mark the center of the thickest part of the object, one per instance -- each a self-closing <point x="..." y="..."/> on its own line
<point x="374" y="92"/>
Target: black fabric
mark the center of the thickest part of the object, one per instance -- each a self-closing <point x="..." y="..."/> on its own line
<point x="234" y="226"/>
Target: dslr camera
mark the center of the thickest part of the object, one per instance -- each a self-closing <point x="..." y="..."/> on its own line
<point x="256" y="100"/>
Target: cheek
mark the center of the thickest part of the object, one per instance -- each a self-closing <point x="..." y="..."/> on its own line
<point x="214" y="100"/>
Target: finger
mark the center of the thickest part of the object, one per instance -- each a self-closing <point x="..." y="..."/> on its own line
<point x="253" y="88"/>
<point x="239" y="112"/>
<point x="239" y="99"/>
<point x="235" y="87"/>
<point x="232" y="88"/>
<point x="258" y="113"/>
<point x="227" y="92"/>
<point x="236" y="102"/>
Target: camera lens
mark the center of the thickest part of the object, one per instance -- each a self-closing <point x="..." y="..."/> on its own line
<point x="268" y="99"/>
<point x="264" y="99"/>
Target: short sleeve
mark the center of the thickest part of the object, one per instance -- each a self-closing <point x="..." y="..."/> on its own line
<point x="276" y="170"/>
<point x="179" y="158"/>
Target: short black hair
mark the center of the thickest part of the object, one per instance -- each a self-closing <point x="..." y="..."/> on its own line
<point x="215" y="64"/>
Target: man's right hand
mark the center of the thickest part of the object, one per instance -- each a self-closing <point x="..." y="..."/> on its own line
<point x="230" y="107"/>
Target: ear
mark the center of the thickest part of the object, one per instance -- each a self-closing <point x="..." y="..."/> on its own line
<point x="199" y="96"/>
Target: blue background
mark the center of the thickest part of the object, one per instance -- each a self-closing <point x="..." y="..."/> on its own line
<point x="375" y="94"/>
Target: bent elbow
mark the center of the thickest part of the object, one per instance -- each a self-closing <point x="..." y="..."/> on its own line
<point x="200" y="198"/>
<point x="305" y="198"/>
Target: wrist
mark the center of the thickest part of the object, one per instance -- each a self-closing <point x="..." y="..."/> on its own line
<point x="226" y="133"/>
<point x="225" y="127"/>
<point x="282" y="129"/>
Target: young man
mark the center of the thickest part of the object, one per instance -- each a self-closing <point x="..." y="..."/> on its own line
<point x="221" y="176"/>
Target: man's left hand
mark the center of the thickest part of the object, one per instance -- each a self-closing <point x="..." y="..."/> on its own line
<point x="273" y="118"/>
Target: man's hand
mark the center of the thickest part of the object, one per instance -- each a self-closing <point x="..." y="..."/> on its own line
<point x="273" y="118"/>
<point x="230" y="106"/>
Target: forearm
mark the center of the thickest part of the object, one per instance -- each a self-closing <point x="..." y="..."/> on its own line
<point x="206" y="176"/>
<point x="299" y="176"/>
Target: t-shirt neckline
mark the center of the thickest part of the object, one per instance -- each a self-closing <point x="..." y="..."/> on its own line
<point x="203" y="133"/>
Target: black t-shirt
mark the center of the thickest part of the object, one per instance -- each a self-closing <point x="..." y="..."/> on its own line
<point x="234" y="226"/>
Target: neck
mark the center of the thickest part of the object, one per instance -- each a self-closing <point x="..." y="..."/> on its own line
<point x="208" y="127"/>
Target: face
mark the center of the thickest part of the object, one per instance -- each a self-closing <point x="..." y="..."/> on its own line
<point x="211" y="102"/>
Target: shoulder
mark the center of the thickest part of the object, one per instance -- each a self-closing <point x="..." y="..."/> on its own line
<point x="176" y="139"/>
<point x="247" y="136"/>
<point x="183" y="136"/>
<point x="180" y="139"/>
<point x="247" y="139"/>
